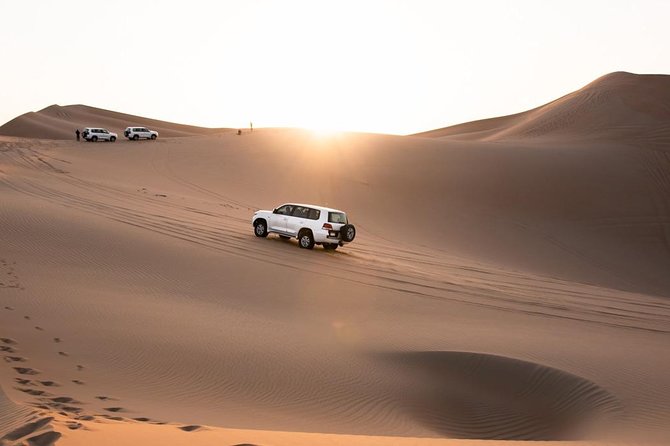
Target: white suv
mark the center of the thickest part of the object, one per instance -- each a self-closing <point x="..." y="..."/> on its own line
<point x="310" y="224"/>
<point x="97" y="134"/>
<point x="136" y="133"/>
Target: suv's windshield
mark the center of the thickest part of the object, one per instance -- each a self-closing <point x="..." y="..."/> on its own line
<point x="337" y="217"/>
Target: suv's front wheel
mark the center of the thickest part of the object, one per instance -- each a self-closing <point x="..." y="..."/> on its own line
<point x="261" y="228"/>
<point x="306" y="239"/>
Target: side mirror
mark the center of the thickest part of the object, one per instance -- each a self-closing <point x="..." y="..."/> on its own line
<point x="274" y="211"/>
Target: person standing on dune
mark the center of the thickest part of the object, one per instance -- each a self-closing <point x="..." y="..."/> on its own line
<point x="77" y="133"/>
<point x="251" y="126"/>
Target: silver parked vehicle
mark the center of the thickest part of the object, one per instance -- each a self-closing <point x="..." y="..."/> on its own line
<point x="95" y="134"/>
<point x="135" y="133"/>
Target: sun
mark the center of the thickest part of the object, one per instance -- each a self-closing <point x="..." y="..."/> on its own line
<point x="324" y="132"/>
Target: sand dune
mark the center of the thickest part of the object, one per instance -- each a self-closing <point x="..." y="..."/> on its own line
<point x="502" y="290"/>
<point x="474" y="395"/>
<point x="60" y="122"/>
<point x="617" y="106"/>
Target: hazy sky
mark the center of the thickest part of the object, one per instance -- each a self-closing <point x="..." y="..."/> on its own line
<point x="379" y="66"/>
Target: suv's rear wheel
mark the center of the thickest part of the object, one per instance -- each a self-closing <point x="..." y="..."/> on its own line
<point x="260" y="228"/>
<point x="112" y="139"/>
<point x="94" y="139"/>
<point x="153" y="137"/>
<point x="348" y="233"/>
<point x="306" y="239"/>
<point x="136" y="137"/>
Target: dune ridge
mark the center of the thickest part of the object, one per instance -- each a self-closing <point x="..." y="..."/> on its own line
<point x="620" y="105"/>
<point x="60" y="122"/>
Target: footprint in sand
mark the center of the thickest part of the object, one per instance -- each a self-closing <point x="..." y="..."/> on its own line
<point x="49" y="383"/>
<point x="7" y="348"/>
<point x="190" y="428"/>
<point x="65" y="400"/>
<point x="26" y="371"/>
<point x="58" y="340"/>
<point x="9" y="308"/>
<point x="76" y="381"/>
<point x="26" y="318"/>
<point x="61" y="403"/>
<point x="105" y="398"/>
<point x="142" y="419"/>
<point x="41" y="406"/>
<point x="114" y="409"/>
<point x="80" y="367"/>
<point x="113" y="418"/>
<point x="33" y="392"/>
<point x="24" y="382"/>
<point x="74" y="425"/>
<point x="15" y="359"/>
<point x="72" y="409"/>
<point x="47" y="438"/>
<point x="63" y="354"/>
<point x="85" y="418"/>
<point x="8" y="341"/>
<point x="39" y="328"/>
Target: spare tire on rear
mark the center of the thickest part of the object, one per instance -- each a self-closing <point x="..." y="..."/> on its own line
<point x="348" y="233"/>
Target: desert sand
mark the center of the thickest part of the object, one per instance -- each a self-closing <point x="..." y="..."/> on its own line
<point x="508" y="285"/>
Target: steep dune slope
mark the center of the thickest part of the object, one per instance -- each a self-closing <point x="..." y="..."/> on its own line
<point x="617" y="106"/>
<point x="584" y="212"/>
<point x="60" y="122"/>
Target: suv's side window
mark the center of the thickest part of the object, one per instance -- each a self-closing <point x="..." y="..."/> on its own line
<point x="314" y="214"/>
<point x="301" y="212"/>
<point x="287" y="209"/>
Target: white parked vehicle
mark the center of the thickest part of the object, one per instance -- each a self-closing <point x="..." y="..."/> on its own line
<point x="310" y="224"/>
<point x="136" y="133"/>
<point x="97" y="134"/>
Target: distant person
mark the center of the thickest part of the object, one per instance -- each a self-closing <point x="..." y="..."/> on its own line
<point x="239" y="132"/>
<point x="77" y="133"/>
<point x="251" y="126"/>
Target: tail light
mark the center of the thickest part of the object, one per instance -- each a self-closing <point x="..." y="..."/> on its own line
<point x="327" y="226"/>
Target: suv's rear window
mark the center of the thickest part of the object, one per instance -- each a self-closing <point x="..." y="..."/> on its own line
<point x="337" y="217"/>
